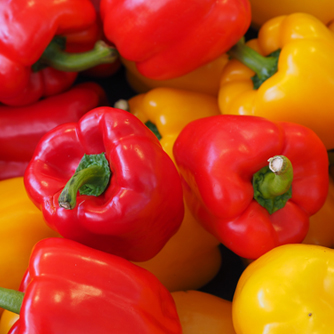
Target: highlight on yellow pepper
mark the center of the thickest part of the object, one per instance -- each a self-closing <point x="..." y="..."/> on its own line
<point x="290" y="77"/>
<point x="7" y="321"/>
<point x="290" y="289"/>
<point x="205" y="79"/>
<point x="262" y="10"/>
<point x="191" y="258"/>
<point x="21" y="226"/>
<point x="201" y="312"/>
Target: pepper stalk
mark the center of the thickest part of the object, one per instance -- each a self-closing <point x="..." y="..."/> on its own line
<point x="264" y="67"/>
<point x="91" y="178"/>
<point x="11" y="300"/>
<point x="55" y="56"/>
<point x="272" y="183"/>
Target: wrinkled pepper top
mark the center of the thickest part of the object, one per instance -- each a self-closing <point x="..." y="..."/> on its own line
<point x="220" y="164"/>
<point x="142" y="204"/>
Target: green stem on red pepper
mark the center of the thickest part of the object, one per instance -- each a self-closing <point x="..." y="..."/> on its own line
<point x="272" y="184"/>
<point x="55" y="57"/>
<point x="91" y="178"/>
<point x="11" y="300"/>
<point x="264" y="67"/>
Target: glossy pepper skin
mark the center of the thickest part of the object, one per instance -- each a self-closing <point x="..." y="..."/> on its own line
<point x="71" y="288"/>
<point x="218" y="169"/>
<point x="21" y="128"/>
<point x="287" y="290"/>
<point x="7" y="321"/>
<point x="201" y="312"/>
<point x="261" y="12"/>
<point x="191" y="258"/>
<point x="297" y="92"/>
<point x="21" y="226"/>
<point x="26" y="29"/>
<point x="142" y="205"/>
<point x="170" y="38"/>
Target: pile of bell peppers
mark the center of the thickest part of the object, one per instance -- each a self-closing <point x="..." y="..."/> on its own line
<point x="166" y="167"/>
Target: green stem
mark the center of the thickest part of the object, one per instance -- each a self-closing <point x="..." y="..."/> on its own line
<point x="272" y="184"/>
<point x="264" y="67"/>
<point x="55" y="57"/>
<point x="11" y="300"/>
<point x="90" y="178"/>
<point x="279" y="181"/>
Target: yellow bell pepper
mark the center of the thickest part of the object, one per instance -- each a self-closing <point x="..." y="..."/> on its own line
<point x="205" y="79"/>
<point x="191" y="258"/>
<point x="7" y="321"/>
<point x="201" y="312"/>
<point x="21" y="226"/>
<point x="290" y="289"/>
<point x="302" y="87"/>
<point x="262" y="10"/>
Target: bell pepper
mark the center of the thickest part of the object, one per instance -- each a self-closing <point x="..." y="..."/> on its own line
<point x="7" y="321"/>
<point x="201" y="312"/>
<point x="21" y="128"/>
<point x="33" y="43"/>
<point x="191" y="258"/>
<point x="321" y="231"/>
<point x="251" y="182"/>
<point x="21" y="226"/>
<point x="105" y="181"/>
<point x="172" y="38"/>
<point x="262" y="12"/>
<point x="72" y="288"/>
<point x="287" y="290"/>
<point x="276" y="80"/>
<point x="204" y="79"/>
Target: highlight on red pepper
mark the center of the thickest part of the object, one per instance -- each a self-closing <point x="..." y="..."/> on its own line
<point x="71" y="288"/>
<point x="171" y="38"/>
<point x="33" y="58"/>
<point x="21" y="128"/>
<point x="136" y="208"/>
<point x="230" y="188"/>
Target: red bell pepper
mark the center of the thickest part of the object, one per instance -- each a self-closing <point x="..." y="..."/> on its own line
<point x="170" y="38"/>
<point x="21" y="128"/>
<point x="130" y="201"/>
<point x="33" y="35"/>
<point x="231" y="189"/>
<point x="71" y="288"/>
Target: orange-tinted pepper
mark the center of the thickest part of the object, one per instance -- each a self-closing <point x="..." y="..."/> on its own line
<point x="204" y="79"/>
<point x="201" y="312"/>
<point x="263" y="11"/>
<point x="321" y="230"/>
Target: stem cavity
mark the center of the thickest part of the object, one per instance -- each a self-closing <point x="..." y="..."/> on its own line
<point x="272" y="184"/>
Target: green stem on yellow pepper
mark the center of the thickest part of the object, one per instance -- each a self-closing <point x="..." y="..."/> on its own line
<point x="264" y="67"/>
